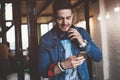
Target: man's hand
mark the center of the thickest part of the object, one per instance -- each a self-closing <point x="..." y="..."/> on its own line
<point x="72" y="62"/>
<point x="74" y="34"/>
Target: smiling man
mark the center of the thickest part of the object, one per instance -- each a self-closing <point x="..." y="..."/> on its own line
<point x="60" y="55"/>
<point x="64" y="19"/>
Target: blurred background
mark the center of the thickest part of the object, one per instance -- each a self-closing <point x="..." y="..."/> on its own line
<point x="23" y="22"/>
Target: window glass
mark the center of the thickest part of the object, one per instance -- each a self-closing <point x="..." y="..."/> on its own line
<point x="81" y="24"/>
<point x="0" y="40"/>
<point x="24" y="30"/>
<point x="0" y="5"/>
<point x="45" y="28"/>
<point x="11" y="37"/>
<point x="8" y="24"/>
<point x="8" y="11"/>
<point x="50" y="25"/>
<point x="0" y="28"/>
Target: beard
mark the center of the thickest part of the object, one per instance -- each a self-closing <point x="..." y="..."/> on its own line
<point x="64" y="27"/>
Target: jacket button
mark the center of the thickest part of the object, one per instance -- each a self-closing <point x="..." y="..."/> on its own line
<point x="61" y="49"/>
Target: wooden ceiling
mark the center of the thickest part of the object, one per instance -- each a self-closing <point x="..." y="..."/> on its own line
<point x="44" y="10"/>
<point x="43" y="7"/>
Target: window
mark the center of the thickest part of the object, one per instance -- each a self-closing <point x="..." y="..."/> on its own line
<point x="24" y="30"/>
<point x="81" y="24"/>
<point x="0" y="40"/>
<point x="11" y="37"/>
<point x="11" y="31"/>
<point x="45" y="28"/>
<point x="8" y="11"/>
<point x="0" y="28"/>
<point x="0" y="5"/>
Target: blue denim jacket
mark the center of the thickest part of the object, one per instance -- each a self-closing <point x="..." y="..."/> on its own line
<point x="52" y="51"/>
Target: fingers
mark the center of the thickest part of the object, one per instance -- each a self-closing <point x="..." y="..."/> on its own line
<point x="74" y="34"/>
<point x="82" y="61"/>
<point x="77" y="62"/>
<point x="73" y="62"/>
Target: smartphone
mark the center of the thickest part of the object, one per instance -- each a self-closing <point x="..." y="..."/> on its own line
<point x="74" y="40"/>
<point x="82" y="53"/>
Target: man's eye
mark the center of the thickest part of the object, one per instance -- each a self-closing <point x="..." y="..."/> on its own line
<point x="68" y="18"/>
<point x="59" y="18"/>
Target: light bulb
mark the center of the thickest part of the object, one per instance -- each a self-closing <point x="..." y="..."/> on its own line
<point x="116" y="8"/>
<point x="107" y="15"/>
<point x="99" y="18"/>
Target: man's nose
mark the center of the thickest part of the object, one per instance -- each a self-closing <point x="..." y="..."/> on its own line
<point x="64" y="21"/>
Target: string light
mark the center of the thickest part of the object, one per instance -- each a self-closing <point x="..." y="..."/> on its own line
<point x="116" y="8"/>
<point x="107" y="15"/>
<point x="99" y="18"/>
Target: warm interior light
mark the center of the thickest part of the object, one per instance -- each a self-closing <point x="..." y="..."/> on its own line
<point x="116" y="8"/>
<point x="99" y="18"/>
<point x="107" y="15"/>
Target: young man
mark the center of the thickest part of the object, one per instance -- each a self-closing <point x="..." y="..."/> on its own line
<point x="60" y="56"/>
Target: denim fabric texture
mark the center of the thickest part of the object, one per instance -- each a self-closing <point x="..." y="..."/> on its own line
<point x="51" y="51"/>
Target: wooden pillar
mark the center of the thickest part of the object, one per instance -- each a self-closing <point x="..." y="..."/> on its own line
<point x="2" y="21"/>
<point x="86" y="11"/>
<point x="18" y="38"/>
<point x="33" y="39"/>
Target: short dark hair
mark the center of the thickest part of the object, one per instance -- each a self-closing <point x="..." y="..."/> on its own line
<point x="61" y="4"/>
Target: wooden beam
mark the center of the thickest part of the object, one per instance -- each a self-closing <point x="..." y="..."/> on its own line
<point x="78" y="3"/>
<point x="44" y="7"/>
<point x="2" y="22"/>
<point x="33" y="39"/>
<point x="6" y="1"/>
<point x="18" y="39"/>
<point x="86" y="11"/>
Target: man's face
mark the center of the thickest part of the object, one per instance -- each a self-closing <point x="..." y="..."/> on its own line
<point x="64" y="19"/>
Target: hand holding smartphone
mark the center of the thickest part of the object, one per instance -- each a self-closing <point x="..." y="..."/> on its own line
<point x="82" y="53"/>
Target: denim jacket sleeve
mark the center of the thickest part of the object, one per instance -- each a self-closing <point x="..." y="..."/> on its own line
<point x="44" y="59"/>
<point x="92" y="50"/>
